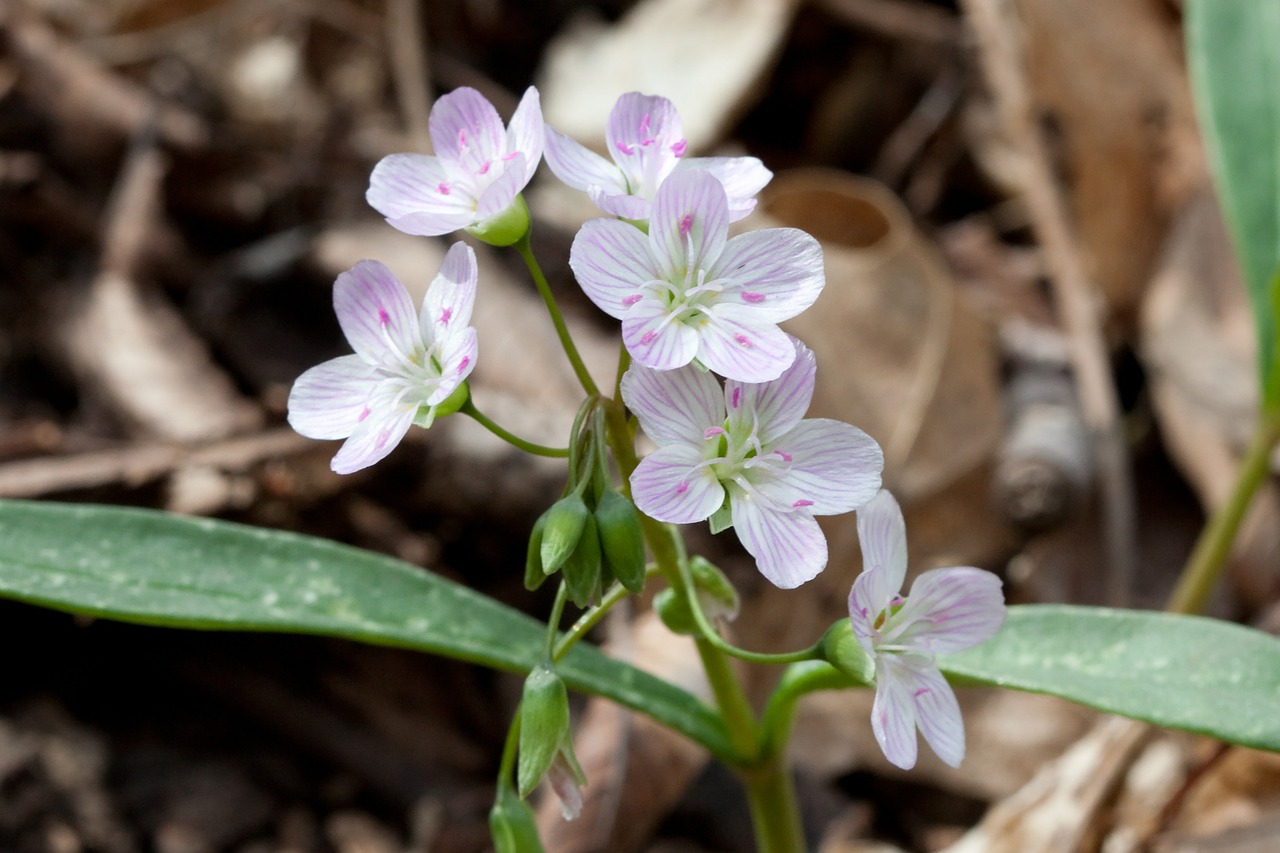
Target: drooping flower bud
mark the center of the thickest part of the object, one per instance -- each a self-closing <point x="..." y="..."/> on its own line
<point x="716" y="596"/>
<point x="533" y="573"/>
<point x="565" y="522"/>
<point x="546" y="745"/>
<point x="581" y="572"/>
<point x="621" y="539"/>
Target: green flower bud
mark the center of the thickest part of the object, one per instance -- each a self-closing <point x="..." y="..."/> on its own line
<point x="621" y="539"/>
<point x="841" y="649"/>
<point x="565" y="522"/>
<point x="582" y="570"/>
<point x="544" y="726"/>
<point x="716" y="596"/>
<point x="507" y="228"/>
<point x="512" y="825"/>
<point x="533" y="573"/>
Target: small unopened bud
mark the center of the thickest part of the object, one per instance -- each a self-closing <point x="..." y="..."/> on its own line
<point x="512" y="825"/>
<point x="533" y="573"/>
<point x="544" y="726"/>
<point x="716" y="596"/>
<point x="581" y="571"/>
<point x="565" y="522"/>
<point x="841" y="649"/>
<point x="621" y="539"/>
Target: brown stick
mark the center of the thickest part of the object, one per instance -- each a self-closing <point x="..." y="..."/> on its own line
<point x="996" y="27"/>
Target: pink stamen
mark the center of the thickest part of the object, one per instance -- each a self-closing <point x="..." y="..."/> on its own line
<point x="445" y="316"/>
<point x="513" y="155"/>
<point x="462" y="365"/>
<point x="713" y="432"/>
<point x="920" y="691"/>
<point x="364" y="414"/>
<point x="679" y="147"/>
<point x="647" y="337"/>
<point x="628" y="301"/>
<point x="744" y="340"/>
<point x="682" y="488"/>
<point x="737" y="398"/>
<point x="625" y="148"/>
<point x="442" y="188"/>
<point x="752" y="297"/>
<point x="686" y="225"/>
<point x="383" y="317"/>
<point x="801" y="503"/>
<point x="786" y="457"/>
<point x="647" y="141"/>
<point x="644" y="124"/>
<point x="484" y="168"/>
<point x="382" y="439"/>
<point x="462" y="138"/>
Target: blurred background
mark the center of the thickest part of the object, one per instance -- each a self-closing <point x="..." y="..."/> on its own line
<point x="1031" y="304"/>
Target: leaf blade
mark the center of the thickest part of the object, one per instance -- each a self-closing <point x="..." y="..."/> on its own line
<point x="151" y="568"/>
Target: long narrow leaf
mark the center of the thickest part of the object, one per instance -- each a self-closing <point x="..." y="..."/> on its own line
<point x="149" y="567"/>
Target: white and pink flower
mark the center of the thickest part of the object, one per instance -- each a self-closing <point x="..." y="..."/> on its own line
<point x="744" y="455"/>
<point x="646" y="143"/>
<point x="948" y="610"/>
<point x="686" y="291"/>
<point x="475" y="176"/>
<point x="406" y="363"/>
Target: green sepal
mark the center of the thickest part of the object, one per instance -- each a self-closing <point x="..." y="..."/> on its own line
<point x="716" y="595"/>
<point x="544" y="726"/>
<point x="507" y="228"/>
<point x="565" y="523"/>
<point x="672" y="607"/>
<point x="722" y="519"/>
<point x="621" y="539"/>
<point x="512" y="825"/>
<point x="582" y="570"/>
<point x="454" y="401"/>
<point x="841" y="649"/>
<point x="533" y="573"/>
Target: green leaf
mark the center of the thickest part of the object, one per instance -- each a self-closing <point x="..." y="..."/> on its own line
<point x="143" y="566"/>
<point x="1183" y="672"/>
<point x="1234" y="53"/>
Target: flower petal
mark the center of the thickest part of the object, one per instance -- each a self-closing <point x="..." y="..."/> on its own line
<point x="415" y="193"/>
<point x="375" y="314"/>
<point x="631" y="207"/>
<point x="328" y="400"/>
<point x="834" y="464"/>
<point x="882" y="533"/>
<point x="737" y="347"/>
<point x="447" y="307"/>
<point x="644" y="134"/>
<point x="689" y="223"/>
<point x="741" y="177"/>
<point x="777" y="272"/>
<point x="949" y="610"/>
<point x="580" y="167"/>
<point x="525" y="134"/>
<point x="893" y="714"/>
<point x="465" y="128"/>
<point x="777" y="405"/>
<point x="611" y="261"/>
<point x="788" y="546"/>
<point x="937" y="711"/>
<point x="671" y="485"/>
<point x="500" y="194"/>
<point x="674" y="406"/>
<point x="375" y="437"/>
<point x="654" y="339"/>
<point x="457" y="360"/>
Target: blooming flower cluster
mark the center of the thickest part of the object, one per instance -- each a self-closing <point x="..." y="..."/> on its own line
<point x="948" y="610"/>
<point x="714" y="381"/>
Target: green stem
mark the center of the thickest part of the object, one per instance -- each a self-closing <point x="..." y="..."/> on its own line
<point x="588" y="620"/>
<point x="553" y="622"/>
<point x="775" y="812"/>
<point x="468" y="408"/>
<point x="1214" y="545"/>
<point x="566" y="340"/>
